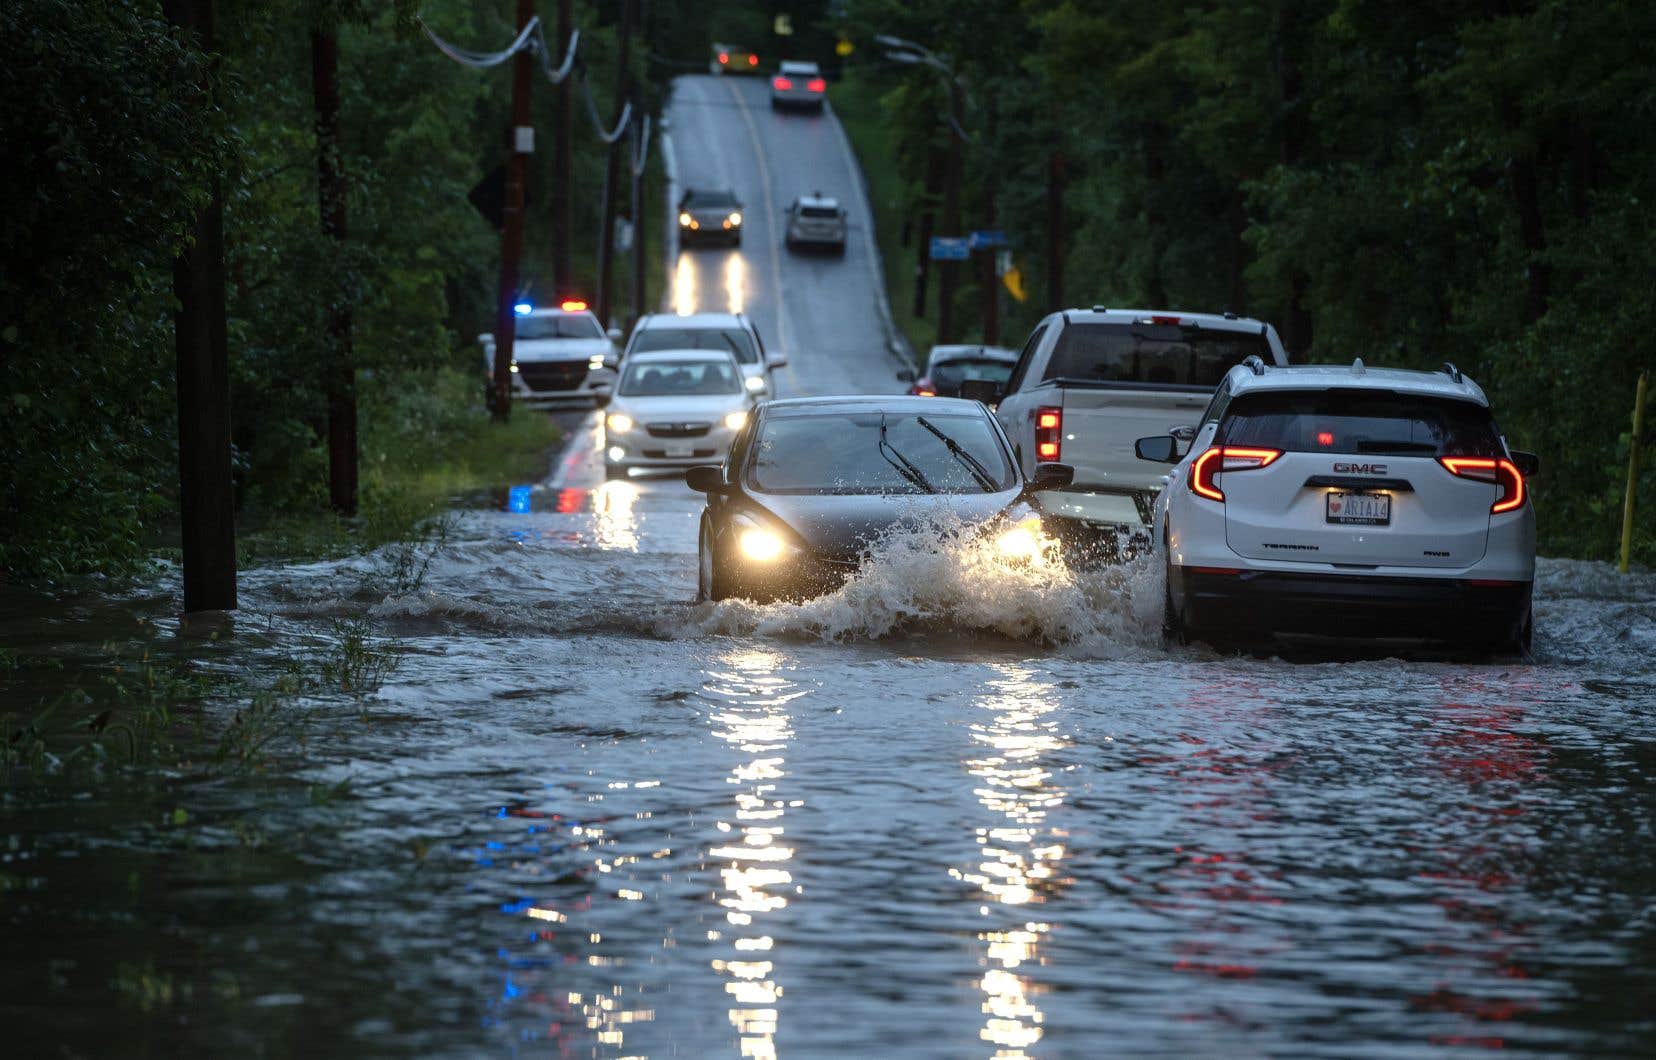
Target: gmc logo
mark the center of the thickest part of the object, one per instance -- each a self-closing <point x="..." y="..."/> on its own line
<point x="1359" y="469"/>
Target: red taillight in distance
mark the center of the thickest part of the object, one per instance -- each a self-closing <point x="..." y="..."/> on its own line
<point x="753" y="60"/>
<point x="1502" y="473"/>
<point x="1219" y="458"/>
<point x="781" y="84"/>
<point x="817" y="84"/>
<point x="1049" y="432"/>
<point x="724" y="58"/>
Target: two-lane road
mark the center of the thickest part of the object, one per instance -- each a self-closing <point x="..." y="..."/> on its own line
<point x="825" y="311"/>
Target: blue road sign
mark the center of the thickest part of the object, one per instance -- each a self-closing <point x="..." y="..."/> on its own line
<point x="989" y="237"/>
<point x="950" y="248"/>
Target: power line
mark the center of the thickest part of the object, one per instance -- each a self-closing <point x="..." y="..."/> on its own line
<point x="482" y="60"/>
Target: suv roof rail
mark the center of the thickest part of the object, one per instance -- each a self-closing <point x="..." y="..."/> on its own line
<point x="1452" y="372"/>
<point x="1100" y="309"/>
<point x="1255" y="363"/>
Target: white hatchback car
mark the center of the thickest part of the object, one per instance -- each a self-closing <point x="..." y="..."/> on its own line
<point x="1346" y="501"/>
<point x="674" y="409"/>
<point x="798" y="84"/>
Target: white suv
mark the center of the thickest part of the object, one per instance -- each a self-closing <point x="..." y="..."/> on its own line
<point x="1346" y="501"/>
<point x="732" y="333"/>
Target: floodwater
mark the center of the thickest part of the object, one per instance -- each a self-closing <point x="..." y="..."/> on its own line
<point x="930" y="815"/>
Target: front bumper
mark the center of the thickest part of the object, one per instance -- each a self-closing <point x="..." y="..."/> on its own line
<point x="1254" y="604"/>
<point x="637" y="449"/>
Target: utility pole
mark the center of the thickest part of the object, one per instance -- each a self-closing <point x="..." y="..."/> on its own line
<point x="928" y="220"/>
<point x="563" y="279"/>
<point x="206" y="497"/>
<point x="511" y="239"/>
<point x="988" y="281"/>
<point x="1055" y="230"/>
<point x="338" y="367"/>
<point x="639" y="160"/>
<point x="948" y="271"/>
<point x="606" y="234"/>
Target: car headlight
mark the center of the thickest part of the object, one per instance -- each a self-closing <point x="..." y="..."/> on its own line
<point x="736" y="420"/>
<point x="1021" y="541"/>
<point x="594" y="363"/>
<point x="755" y="383"/>
<point x="619" y="421"/>
<point x="761" y="545"/>
<point x="735" y="219"/>
<point x="684" y="220"/>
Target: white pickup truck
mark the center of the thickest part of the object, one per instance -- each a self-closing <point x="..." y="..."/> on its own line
<point x="1089" y="383"/>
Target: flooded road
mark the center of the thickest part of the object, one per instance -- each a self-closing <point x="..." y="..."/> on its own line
<point x="931" y="815"/>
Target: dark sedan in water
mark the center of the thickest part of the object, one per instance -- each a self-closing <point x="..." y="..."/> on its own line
<point x="811" y="483"/>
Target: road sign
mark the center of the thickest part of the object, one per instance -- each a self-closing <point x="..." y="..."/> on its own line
<point x="844" y="48"/>
<point x="489" y="196"/>
<point x="1014" y="284"/>
<point x="950" y="248"/>
<point x="990" y="237"/>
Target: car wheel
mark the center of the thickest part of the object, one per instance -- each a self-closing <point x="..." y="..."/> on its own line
<point x="712" y="581"/>
<point x="1173" y="627"/>
<point x="1522" y="638"/>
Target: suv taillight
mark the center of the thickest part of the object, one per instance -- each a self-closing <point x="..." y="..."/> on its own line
<point x="781" y="84"/>
<point x="1049" y="433"/>
<point x="1502" y="473"/>
<point x="817" y="84"/>
<point x="1225" y="458"/>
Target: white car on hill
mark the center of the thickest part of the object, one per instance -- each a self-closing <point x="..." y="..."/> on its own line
<point x="674" y="409"/>
<point x="1346" y="501"/>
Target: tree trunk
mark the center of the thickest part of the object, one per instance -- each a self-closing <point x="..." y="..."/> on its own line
<point x="989" y="283"/>
<point x="636" y="170"/>
<point x="338" y="365"/>
<point x="511" y="236"/>
<point x="1055" y="230"/>
<point x="206" y="495"/>
<point x="563" y="225"/>
<point x="948" y="272"/>
<point x="1154" y="171"/>
<point x="606" y="233"/>
<point x="928" y="222"/>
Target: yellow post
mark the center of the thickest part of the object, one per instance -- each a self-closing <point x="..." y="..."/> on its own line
<point x="1632" y="470"/>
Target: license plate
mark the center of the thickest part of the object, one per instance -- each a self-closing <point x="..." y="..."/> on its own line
<point x="680" y="450"/>
<point x="1359" y="509"/>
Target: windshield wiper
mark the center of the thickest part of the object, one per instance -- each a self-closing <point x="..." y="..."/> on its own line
<point x="956" y="450"/>
<point x="902" y="464"/>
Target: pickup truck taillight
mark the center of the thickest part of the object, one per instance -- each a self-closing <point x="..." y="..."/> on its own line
<point x="1503" y="473"/>
<point x="1049" y="432"/>
<point x="1225" y="458"/>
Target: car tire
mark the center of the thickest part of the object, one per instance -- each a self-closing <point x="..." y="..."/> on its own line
<point x="1522" y="638"/>
<point x="713" y="583"/>
<point x="1173" y="626"/>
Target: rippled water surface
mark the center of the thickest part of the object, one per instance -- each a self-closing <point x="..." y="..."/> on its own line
<point x="932" y="815"/>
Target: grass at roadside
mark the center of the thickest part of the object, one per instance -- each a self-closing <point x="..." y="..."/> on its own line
<point x="860" y="110"/>
<point x="426" y="443"/>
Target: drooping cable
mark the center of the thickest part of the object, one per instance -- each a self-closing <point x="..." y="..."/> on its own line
<point x="558" y="76"/>
<point x="482" y="60"/>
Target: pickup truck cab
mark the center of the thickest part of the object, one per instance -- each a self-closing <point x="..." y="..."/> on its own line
<point x="1089" y="383"/>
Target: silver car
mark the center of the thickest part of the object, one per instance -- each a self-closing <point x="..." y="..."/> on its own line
<point x="798" y="84"/>
<point x="816" y="220"/>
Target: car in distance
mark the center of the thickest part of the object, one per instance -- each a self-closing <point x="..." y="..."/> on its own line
<point x="810" y="482"/>
<point x="815" y="220"/>
<point x="1088" y="383"/>
<point x="710" y="215"/>
<point x="732" y="333"/>
<point x="561" y="357"/>
<point x="949" y="367"/>
<point x="733" y="59"/>
<point x="798" y="85"/>
<point x="673" y="408"/>
<point x="1352" y="501"/>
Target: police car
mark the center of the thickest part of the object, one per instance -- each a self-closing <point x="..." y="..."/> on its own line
<point x="1346" y="501"/>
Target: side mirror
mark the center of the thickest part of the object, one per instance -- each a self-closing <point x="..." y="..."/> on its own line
<point x="1527" y="463"/>
<point x="774" y="359"/>
<point x="614" y="334"/>
<point x="601" y="396"/>
<point x="1051" y="477"/>
<point x="707" y="478"/>
<point x="905" y="375"/>
<point x="985" y="390"/>
<point x="1158" y="448"/>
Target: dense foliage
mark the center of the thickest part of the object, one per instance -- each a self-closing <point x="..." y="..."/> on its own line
<point x="111" y="143"/>
<point x="1410" y="184"/>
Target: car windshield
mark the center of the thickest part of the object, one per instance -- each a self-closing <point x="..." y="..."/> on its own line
<point x="558" y="326"/>
<point x="818" y="211"/>
<point x="842" y="453"/>
<point x="953" y="373"/>
<point x="711" y="200"/>
<point x="1365" y="422"/>
<point x="662" y="378"/>
<point x="1151" y="354"/>
<point x="733" y="340"/>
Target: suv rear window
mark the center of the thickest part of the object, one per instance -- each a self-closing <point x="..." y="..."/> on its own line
<point x="671" y="338"/>
<point x="1365" y="422"/>
<point x="818" y="211"/>
<point x="1151" y="354"/>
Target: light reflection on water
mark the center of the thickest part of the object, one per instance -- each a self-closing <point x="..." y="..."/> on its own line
<point x="1021" y="854"/>
<point x="753" y="719"/>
